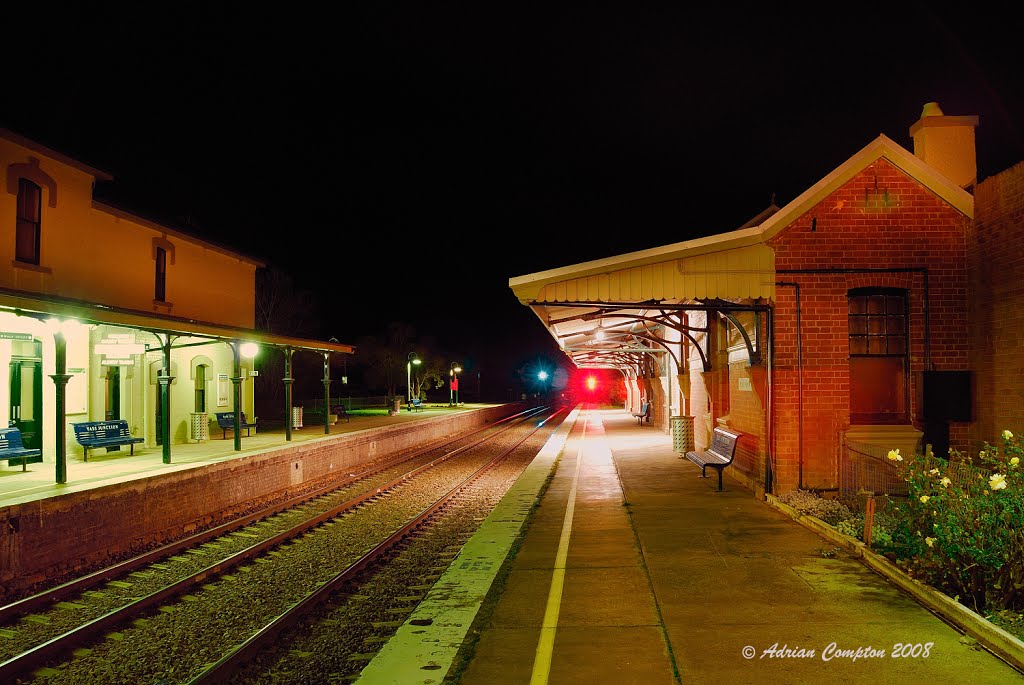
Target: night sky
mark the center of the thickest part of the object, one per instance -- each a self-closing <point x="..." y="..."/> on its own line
<point x="406" y="159"/>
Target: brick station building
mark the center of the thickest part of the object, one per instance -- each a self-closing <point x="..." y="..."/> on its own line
<point x="879" y="309"/>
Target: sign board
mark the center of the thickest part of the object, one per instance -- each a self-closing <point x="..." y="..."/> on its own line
<point x="13" y="335"/>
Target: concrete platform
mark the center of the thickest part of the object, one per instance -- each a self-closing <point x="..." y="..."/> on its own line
<point x="39" y="481"/>
<point x="633" y="569"/>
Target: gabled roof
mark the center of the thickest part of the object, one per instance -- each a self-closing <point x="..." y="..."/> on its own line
<point x="528" y="288"/>
<point x="739" y="264"/>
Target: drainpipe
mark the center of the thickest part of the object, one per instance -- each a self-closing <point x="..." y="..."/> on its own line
<point x="799" y="387"/>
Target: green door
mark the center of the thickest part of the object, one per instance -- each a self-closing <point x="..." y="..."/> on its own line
<point x="26" y="410"/>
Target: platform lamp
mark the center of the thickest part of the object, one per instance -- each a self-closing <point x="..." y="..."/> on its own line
<point x="453" y="384"/>
<point x="409" y="361"/>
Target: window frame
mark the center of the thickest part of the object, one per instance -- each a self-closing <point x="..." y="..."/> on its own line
<point x="33" y="224"/>
<point x="886" y="334"/>
<point x="160" y="276"/>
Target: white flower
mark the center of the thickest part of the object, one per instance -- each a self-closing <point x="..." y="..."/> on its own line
<point x="945" y="481"/>
<point x="924" y="499"/>
<point x="1007" y="435"/>
<point x="895" y="455"/>
<point x="997" y="481"/>
<point x="934" y="472"/>
<point x="929" y="541"/>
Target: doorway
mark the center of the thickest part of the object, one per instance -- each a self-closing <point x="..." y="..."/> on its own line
<point x="26" y="392"/>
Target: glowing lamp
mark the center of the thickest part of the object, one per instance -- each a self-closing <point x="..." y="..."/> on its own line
<point x="249" y="350"/>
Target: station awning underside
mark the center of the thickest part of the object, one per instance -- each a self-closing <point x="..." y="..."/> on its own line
<point x="42" y="307"/>
<point x="610" y="312"/>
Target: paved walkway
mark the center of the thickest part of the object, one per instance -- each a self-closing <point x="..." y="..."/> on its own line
<point x="635" y="570"/>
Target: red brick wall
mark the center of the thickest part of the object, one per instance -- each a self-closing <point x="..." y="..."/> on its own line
<point x="996" y="258"/>
<point x="880" y="219"/>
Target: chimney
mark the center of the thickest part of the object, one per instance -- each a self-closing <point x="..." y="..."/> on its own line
<point x="947" y="144"/>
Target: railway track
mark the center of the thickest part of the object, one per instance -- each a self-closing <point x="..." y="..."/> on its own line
<point x="42" y="629"/>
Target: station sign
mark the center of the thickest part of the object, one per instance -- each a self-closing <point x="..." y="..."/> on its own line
<point x="117" y="349"/>
<point x="14" y="335"/>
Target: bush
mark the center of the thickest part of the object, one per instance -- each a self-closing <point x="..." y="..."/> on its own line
<point x="959" y="528"/>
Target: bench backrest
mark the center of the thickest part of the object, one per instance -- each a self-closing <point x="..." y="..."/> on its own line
<point x="724" y="443"/>
<point x="10" y="438"/>
<point x="102" y="429"/>
<point x="226" y="419"/>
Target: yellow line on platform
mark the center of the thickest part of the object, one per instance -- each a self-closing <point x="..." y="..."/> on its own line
<point x="545" y="647"/>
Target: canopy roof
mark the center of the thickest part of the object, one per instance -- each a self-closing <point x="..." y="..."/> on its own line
<point x="41" y="306"/>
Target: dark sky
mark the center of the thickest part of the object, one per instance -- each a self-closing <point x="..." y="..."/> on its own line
<point x="409" y="158"/>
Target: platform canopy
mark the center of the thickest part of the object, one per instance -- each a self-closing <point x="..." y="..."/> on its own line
<point x="42" y="307"/>
<point x="608" y="311"/>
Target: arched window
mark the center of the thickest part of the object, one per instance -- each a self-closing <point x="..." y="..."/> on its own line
<point x="28" y="229"/>
<point x="201" y="388"/>
<point x="879" y="356"/>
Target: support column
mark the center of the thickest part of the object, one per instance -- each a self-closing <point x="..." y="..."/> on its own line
<point x="288" y="380"/>
<point x="164" y="379"/>
<point x="60" y="382"/>
<point x="327" y="392"/>
<point x="236" y="381"/>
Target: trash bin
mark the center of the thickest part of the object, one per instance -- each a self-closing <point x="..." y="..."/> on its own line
<point x="296" y="417"/>
<point x="397" y="409"/>
<point x="682" y="434"/>
<point x="200" y="425"/>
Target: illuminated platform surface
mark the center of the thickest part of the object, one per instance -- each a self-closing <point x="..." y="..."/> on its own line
<point x="17" y="486"/>
<point x="664" y="580"/>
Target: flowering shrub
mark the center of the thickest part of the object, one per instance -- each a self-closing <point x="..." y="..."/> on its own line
<point x="961" y="527"/>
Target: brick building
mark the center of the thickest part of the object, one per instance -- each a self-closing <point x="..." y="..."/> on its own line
<point x="875" y="311"/>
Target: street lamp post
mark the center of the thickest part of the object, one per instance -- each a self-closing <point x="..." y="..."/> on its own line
<point x="453" y="384"/>
<point x="409" y="361"/>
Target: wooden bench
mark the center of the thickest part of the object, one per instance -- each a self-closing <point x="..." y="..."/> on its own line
<point x="226" y="421"/>
<point x="417" y="404"/>
<point x="109" y="434"/>
<point x="340" y="412"/>
<point x="643" y="414"/>
<point x="11" y="447"/>
<point x="718" y="455"/>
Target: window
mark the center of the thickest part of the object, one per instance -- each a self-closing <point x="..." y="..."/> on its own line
<point x="160" y="289"/>
<point x="201" y="388"/>
<point x="879" y="356"/>
<point x="27" y="233"/>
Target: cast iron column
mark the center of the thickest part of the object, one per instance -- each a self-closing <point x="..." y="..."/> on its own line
<point x="236" y="380"/>
<point x="288" y="380"/>
<point x="60" y="381"/>
<point x="327" y="392"/>
<point x="164" y="379"/>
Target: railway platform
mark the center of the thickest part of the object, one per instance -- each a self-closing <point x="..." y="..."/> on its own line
<point x="623" y="566"/>
<point x="104" y="468"/>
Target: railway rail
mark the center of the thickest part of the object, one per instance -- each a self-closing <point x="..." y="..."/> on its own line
<point x="45" y="627"/>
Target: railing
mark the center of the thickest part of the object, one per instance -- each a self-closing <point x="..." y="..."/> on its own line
<point x="865" y="469"/>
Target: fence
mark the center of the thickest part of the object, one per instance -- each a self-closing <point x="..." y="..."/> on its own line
<point x="865" y="469"/>
<point x="314" y="404"/>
